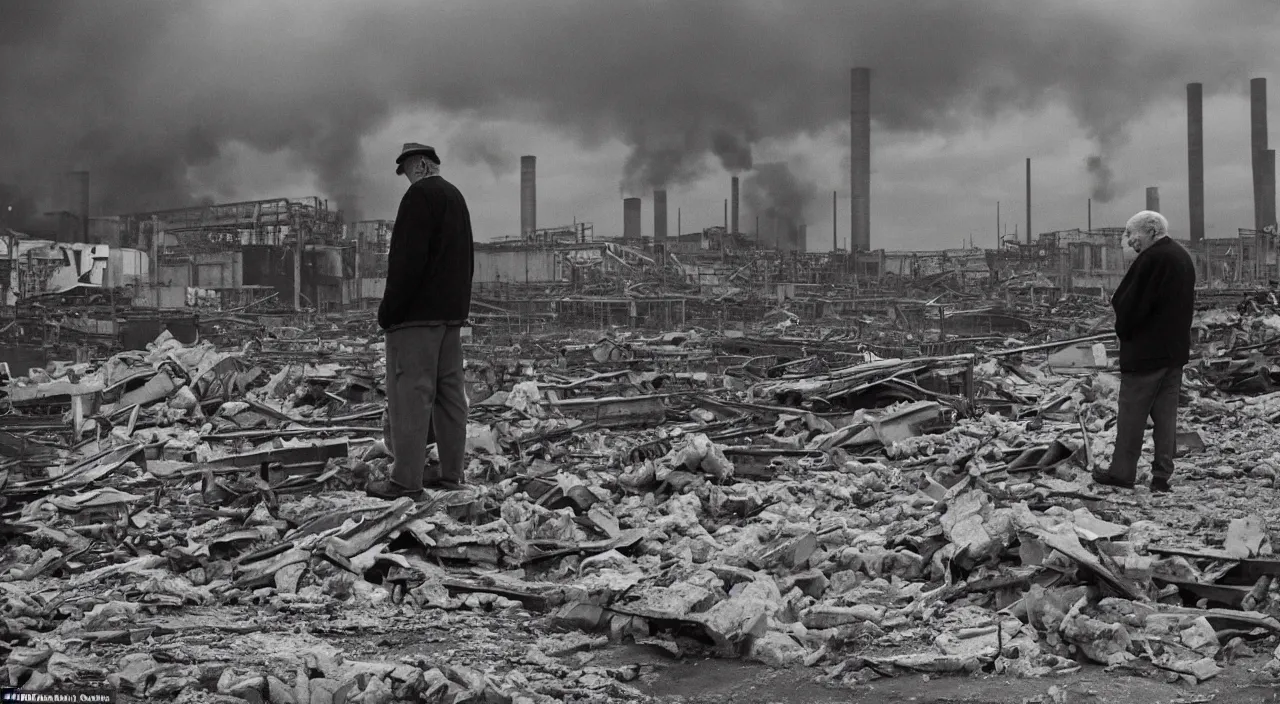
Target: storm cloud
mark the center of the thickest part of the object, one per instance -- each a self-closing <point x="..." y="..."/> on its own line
<point x="141" y="92"/>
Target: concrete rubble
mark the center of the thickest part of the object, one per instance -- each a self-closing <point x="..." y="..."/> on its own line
<point x="187" y="522"/>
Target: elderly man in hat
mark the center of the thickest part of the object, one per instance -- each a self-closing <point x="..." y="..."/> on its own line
<point x="426" y="302"/>
<point x="1154" y="305"/>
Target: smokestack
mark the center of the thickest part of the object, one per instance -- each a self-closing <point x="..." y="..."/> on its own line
<point x="1258" y="142"/>
<point x="630" y="220"/>
<point x="528" y="195"/>
<point x="802" y="237"/>
<point x="860" y="159"/>
<point x="1153" y="198"/>
<point x="835" y="241"/>
<point x="1195" y="162"/>
<point x="660" y="217"/>
<point x="1268" y="167"/>
<point x="1028" y="200"/>
<point x="733" y="212"/>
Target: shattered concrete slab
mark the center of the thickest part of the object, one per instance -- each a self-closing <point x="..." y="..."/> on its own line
<point x="859" y="518"/>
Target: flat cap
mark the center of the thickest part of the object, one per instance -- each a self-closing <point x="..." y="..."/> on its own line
<point x="411" y="148"/>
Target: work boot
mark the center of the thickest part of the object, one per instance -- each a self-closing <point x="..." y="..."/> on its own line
<point x="390" y="490"/>
<point x="445" y="485"/>
<point x="1160" y="485"/>
<point x="1108" y="481"/>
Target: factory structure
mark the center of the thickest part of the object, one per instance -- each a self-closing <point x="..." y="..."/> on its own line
<point x="291" y="256"/>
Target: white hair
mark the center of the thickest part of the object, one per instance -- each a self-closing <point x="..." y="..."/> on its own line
<point x="1148" y="222"/>
<point x="431" y="167"/>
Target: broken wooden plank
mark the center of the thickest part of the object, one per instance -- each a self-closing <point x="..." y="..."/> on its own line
<point x="1224" y="595"/>
<point x="532" y="600"/>
<point x="318" y="452"/>
<point x="363" y="536"/>
<point x="263" y="573"/>
<point x="618" y="411"/>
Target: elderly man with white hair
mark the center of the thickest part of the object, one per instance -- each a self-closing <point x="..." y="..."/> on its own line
<point x="1154" y="305"/>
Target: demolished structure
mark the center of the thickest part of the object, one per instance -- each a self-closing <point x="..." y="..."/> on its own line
<point x="178" y="521"/>
<point x="713" y="442"/>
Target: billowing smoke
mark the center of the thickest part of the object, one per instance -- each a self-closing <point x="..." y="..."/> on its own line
<point x="1102" y="187"/>
<point x="780" y="197"/>
<point x="484" y="147"/>
<point x="142" y="93"/>
<point x="733" y="150"/>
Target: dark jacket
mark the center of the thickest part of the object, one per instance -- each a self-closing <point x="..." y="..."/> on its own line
<point x="431" y="262"/>
<point x="1154" y="305"/>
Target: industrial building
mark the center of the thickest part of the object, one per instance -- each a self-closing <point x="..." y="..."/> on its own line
<point x="298" y="256"/>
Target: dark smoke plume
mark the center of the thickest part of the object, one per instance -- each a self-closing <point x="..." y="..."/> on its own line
<point x="482" y="147"/>
<point x="143" y="92"/>
<point x="1102" y="187"/>
<point x="779" y="196"/>
<point x="733" y="150"/>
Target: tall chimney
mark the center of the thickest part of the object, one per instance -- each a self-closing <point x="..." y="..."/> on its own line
<point x="1268" y="167"/>
<point x="733" y="208"/>
<point x="630" y="220"/>
<point x="860" y="159"/>
<point x="1153" y="198"/>
<point x="528" y="195"/>
<point x="1195" y="162"/>
<point x="659" y="217"/>
<point x="1258" y="142"/>
<point x="835" y="241"/>
<point x="1028" y="200"/>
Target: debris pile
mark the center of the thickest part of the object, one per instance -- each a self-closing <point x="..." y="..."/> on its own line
<point x="187" y="523"/>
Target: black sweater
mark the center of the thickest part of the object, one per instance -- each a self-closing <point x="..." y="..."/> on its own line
<point x="1154" y="306"/>
<point x="430" y="264"/>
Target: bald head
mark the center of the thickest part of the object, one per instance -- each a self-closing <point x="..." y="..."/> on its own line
<point x="1144" y="229"/>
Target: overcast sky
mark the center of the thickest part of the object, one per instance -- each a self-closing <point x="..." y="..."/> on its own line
<point x="171" y="103"/>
